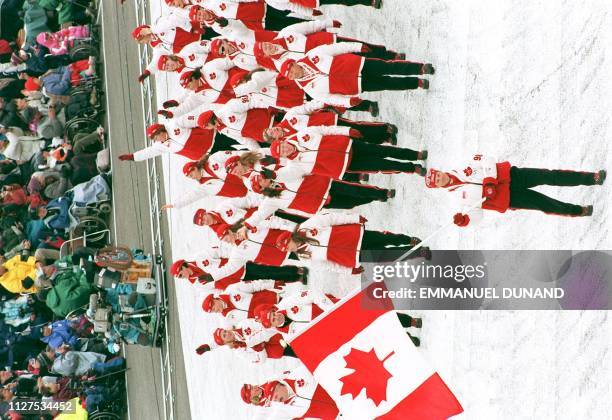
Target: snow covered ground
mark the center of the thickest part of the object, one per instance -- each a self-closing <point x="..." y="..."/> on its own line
<point x="523" y="80"/>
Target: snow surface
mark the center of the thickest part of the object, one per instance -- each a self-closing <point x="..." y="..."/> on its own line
<point x="523" y="80"/>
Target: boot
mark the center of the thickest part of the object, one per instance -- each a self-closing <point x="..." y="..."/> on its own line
<point x="373" y="110"/>
<point x="303" y="273"/>
<point x="587" y="211"/>
<point x="420" y="170"/>
<point x="423" y="154"/>
<point x="391" y="193"/>
<point x="424" y="84"/>
<point x="364" y="177"/>
<point x="428" y="69"/>
<point x="416" y="323"/>
<point x="415" y="340"/>
<point x="425" y="252"/>
<point x="600" y="177"/>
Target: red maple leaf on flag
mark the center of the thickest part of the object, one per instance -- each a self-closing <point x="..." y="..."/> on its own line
<point x="370" y="373"/>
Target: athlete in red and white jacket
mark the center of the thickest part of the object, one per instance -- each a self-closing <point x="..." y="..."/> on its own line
<point x="335" y="75"/>
<point x="211" y="268"/>
<point x="240" y="119"/>
<point x="250" y="340"/>
<point x="334" y="241"/>
<point x="294" y="312"/>
<point x="239" y="300"/>
<point x="485" y="183"/>
<point x="331" y="151"/>
<point x="181" y="137"/>
<point x="315" y="113"/>
<point x="191" y="56"/>
<point x="293" y="395"/>
<point x="311" y="7"/>
<point x="266" y="88"/>
<point x="288" y="189"/>
<point x="254" y="14"/>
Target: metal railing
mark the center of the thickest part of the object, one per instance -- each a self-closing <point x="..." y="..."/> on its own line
<point x="154" y="187"/>
<point x="64" y="245"/>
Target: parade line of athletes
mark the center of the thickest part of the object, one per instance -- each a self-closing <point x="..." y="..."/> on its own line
<point x="266" y="85"/>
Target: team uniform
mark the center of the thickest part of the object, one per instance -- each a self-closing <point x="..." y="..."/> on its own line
<point x="330" y="151"/>
<point x="485" y="184"/>
<point x="334" y="74"/>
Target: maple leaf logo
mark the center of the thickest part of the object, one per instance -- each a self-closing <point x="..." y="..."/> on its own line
<point x="369" y="373"/>
<point x="468" y="171"/>
<point x="237" y="298"/>
<point x="295" y="309"/>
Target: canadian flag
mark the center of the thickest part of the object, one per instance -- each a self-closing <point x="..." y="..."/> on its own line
<point x="360" y="354"/>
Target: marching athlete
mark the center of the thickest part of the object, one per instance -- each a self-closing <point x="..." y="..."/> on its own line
<point x="331" y="151"/>
<point x="485" y="184"/>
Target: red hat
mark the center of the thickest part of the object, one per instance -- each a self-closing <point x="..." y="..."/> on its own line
<point x="161" y="63"/>
<point x="282" y="241"/>
<point x="198" y="216"/>
<point x="258" y="49"/>
<point x="154" y="129"/>
<point x="263" y="312"/>
<point x="430" y="178"/>
<point x="255" y="183"/>
<point x="188" y="167"/>
<point x="32" y="85"/>
<point x="275" y="148"/>
<point x="284" y="68"/>
<point x="136" y="32"/>
<point x="185" y="79"/>
<point x="231" y="163"/>
<point x="217" y="336"/>
<point x="176" y="267"/>
<point x="208" y="302"/>
<point x="205" y="118"/>
<point x="169" y="2"/>
<point x="245" y="393"/>
<point x="215" y="44"/>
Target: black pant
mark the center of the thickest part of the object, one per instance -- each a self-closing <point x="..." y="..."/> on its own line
<point x="367" y="157"/>
<point x="289" y="352"/>
<point x="222" y="142"/>
<point x="346" y="195"/>
<point x="378" y="75"/>
<point x="291" y="217"/>
<point x="522" y="197"/>
<point x="376" y="51"/>
<point x="278" y="19"/>
<point x="373" y="132"/>
<point x="374" y="240"/>
<point x="346" y="2"/>
<point x="288" y="273"/>
<point x="404" y="319"/>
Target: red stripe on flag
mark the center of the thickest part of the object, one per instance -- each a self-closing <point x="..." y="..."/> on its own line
<point x="432" y="400"/>
<point x="339" y="326"/>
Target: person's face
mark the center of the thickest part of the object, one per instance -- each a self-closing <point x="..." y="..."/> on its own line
<point x="161" y="136"/>
<point x="7" y="394"/>
<point x="171" y="64"/>
<point x="274" y="133"/>
<point x="194" y="85"/>
<point x="21" y="103"/>
<point x="295" y="72"/>
<point x="239" y="169"/>
<point x="277" y="319"/>
<point x="227" y="336"/>
<point x="269" y="48"/>
<point x="207" y="220"/>
<point x="145" y="36"/>
<point x="185" y="273"/>
<point x="194" y="174"/>
<point x="280" y="393"/>
<point x="5" y="375"/>
<point x="2" y="270"/>
<point x="292" y="246"/>
<point x="286" y="149"/>
<point x="256" y="394"/>
<point x="264" y="182"/>
<point x="41" y="212"/>
<point x="178" y="3"/>
<point x="442" y="179"/>
<point x="227" y="48"/>
<point x="46" y="331"/>
<point x="217" y="306"/>
<point x="203" y="15"/>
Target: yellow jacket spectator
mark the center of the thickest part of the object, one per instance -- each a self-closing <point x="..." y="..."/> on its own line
<point x="17" y="274"/>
